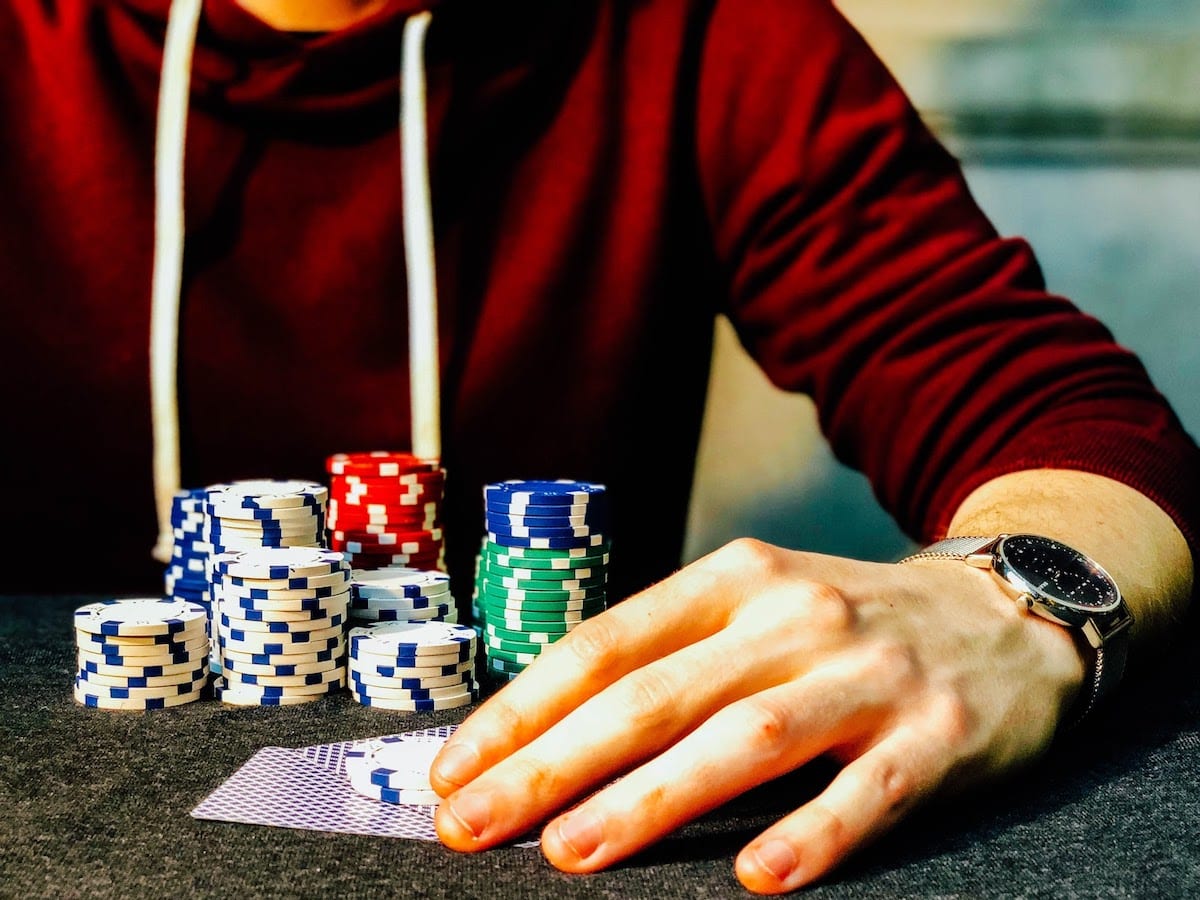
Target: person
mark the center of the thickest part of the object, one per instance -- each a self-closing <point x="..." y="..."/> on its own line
<point x="602" y="178"/>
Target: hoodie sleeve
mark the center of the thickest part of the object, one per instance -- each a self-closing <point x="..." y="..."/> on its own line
<point x="863" y="273"/>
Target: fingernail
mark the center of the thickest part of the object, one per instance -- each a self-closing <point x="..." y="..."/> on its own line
<point x="472" y="811"/>
<point x="581" y="832"/>
<point x="458" y="764"/>
<point x="777" y="857"/>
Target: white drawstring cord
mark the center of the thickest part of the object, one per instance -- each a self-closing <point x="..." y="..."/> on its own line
<point x="424" y="388"/>
<point x="169" y="138"/>
<point x="169" y="141"/>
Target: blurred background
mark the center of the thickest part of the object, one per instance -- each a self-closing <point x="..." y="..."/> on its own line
<point x="1078" y="125"/>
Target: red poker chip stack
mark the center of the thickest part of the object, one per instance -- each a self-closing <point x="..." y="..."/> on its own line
<point x="385" y="509"/>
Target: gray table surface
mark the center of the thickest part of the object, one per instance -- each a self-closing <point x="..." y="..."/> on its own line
<point x="96" y="804"/>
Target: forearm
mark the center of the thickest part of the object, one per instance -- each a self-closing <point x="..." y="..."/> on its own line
<point x="1124" y="531"/>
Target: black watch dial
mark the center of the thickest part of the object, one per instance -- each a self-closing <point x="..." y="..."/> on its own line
<point x="1048" y="569"/>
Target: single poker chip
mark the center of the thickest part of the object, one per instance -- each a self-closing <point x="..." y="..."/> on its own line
<point x="395" y="796"/>
<point x="86" y="697"/>
<point x="422" y="538"/>
<point x="140" y="681"/>
<point x="166" y="639"/>
<point x="139" y="671"/>
<point x="383" y="609"/>
<point x="514" y="622"/>
<point x="279" y="563"/>
<point x="515" y="634"/>
<point x="119" y="692"/>
<point x="404" y="581"/>
<point x="492" y="548"/>
<point x="430" y="638"/>
<point x="282" y="670"/>
<point x="379" y="463"/>
<point x="266" y="691"/>
<point x="429" y="682"/>
<point x="561" y="492"/>
<point x="432" y="561"/>
<point x="278" y="627"/>
<point x="527" y="573"/>
<point x="234" y="658"/>
<point x="138" y="616"/>
<point x="234" y="678"/>
<point x="504" y="508"/>
<point x="437" y="596"/>
<point x="526" y="658"/>
<point x="281" y="647"/>
<point x="413" y="705"/>
<point x="190" y="657"/>
<point x="547" y="543"/>
<point x="253" y="593"/>
<point x="295" y="583"/>
<point x="504" y="594"/>
<point x="510" y="532"/>
<point x="412" y="661"/>
<point x="588" y="606"/>
<point x="240" y="695"/>
<point x="266" y="494"/>
<point x="366" y="665"/>
<point x="440" y="614"/>
<point x="309" y="521"/>
<point x="329" y="605"/>
<point x="491" y="645"/>
<point x="548" y="587"/>
<point x="260" y="641"/>
<point x="389" y="502"/>
<point x="194" y="642"/>
<point x="503" y="666"/>
<point x="382" y="692"/>
<point x="285" y="617"/>
<point x="400" y="762"/>
<point x="565" y="564"/>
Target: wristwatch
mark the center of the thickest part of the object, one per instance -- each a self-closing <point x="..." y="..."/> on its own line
<point x="1062" y="585"/>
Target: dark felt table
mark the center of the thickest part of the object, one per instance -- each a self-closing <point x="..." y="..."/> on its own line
<point x="96" y="804"/>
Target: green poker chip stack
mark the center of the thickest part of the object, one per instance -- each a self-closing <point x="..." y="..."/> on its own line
<point x="541" y="569"/>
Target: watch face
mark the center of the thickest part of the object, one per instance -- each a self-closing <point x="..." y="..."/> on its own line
<point x="1053" y="571"/>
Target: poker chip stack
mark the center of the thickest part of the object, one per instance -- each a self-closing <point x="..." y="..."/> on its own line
<point x="385" y="509"/>
<point x="543" y="566"/>
<point x="186" y="576"/>
<point x="413" y="666"/>
<point x="401" y="594"/>
<point x="254" y="513"/>
<point x="395" y="768"/>
<point x="280" y="624"/>
<point x="140" y="653"/>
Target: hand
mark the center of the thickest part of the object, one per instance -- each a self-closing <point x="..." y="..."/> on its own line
<point x="740" y="668"/>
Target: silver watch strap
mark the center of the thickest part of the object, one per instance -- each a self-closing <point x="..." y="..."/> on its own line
<point x="953" y="548"/>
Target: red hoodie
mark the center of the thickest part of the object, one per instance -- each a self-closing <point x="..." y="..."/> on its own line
<point x="606" y="176"/>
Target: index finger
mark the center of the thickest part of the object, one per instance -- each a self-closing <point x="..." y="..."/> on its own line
<point x="649" y="625"/>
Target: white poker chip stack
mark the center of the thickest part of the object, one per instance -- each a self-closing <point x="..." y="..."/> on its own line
<point x="413" y="666"/>
<point x="280" y="624"/>
<point x="254" y="513"/>
<point x="401" y="594"/>
<point x="140" y="653"/>
<point x="395" y="768"/>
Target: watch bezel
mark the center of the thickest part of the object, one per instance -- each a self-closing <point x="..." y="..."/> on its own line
<point x="1076" y="612"/>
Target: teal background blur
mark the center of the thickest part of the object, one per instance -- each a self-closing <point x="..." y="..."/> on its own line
<point x="1078" y="125"/>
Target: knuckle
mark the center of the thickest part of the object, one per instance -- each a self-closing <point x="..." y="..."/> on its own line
<point x="649" y="698"/>
<point x="893" y="784"/>
<point x="828" y="608"/>
<point x="597" y="644"/>
<point x="891" y="661"/>
<point x="765" y="724"/>
<point x="748" y="554"/>
<point x="951" y="717"/>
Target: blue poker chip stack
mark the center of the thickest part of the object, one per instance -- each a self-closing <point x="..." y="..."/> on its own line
<point x="186" y="576"/>
<point x="280" y="621"/>
<point x="542" y="568"/>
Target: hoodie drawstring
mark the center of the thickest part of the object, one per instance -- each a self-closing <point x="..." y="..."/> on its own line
<point x="183" y="22"/>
